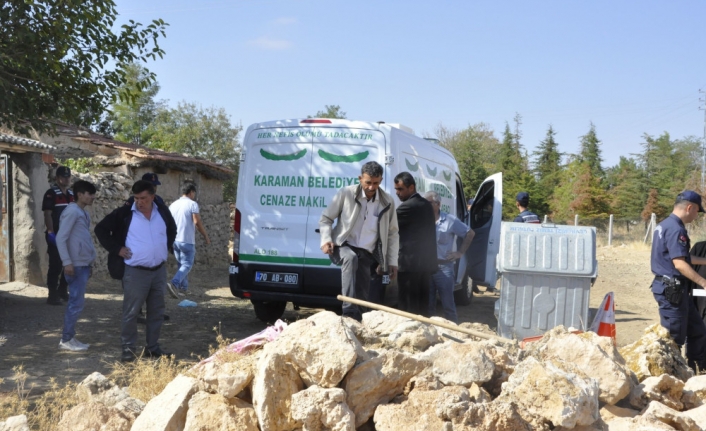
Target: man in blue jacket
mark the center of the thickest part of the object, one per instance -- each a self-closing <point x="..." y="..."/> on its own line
<point x="138" y="239"/>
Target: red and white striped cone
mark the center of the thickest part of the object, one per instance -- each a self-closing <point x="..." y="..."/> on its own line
<point x="604" y="322"/>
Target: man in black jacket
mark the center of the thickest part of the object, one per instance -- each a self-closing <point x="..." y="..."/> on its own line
<point x="417" y="260"/>
<point x="138" y="239"/>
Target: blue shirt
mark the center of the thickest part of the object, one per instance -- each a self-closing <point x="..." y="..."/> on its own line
<point x="527" y="216"/>
<point x="447" y="227"/>
<point x="670" y="241"/>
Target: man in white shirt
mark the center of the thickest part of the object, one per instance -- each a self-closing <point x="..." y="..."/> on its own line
<point x="185" y="211"/>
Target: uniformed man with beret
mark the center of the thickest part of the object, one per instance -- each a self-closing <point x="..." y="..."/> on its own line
<point x="671" y="265"/>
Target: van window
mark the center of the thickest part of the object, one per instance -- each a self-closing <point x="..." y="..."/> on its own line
<point x="482" y="209"/>
<point x="461" y="207"/>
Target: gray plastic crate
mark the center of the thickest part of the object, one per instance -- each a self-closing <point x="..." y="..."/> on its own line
<point x="547" y="272"/>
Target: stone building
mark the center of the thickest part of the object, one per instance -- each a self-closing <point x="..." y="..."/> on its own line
<point x="115" y="166"/>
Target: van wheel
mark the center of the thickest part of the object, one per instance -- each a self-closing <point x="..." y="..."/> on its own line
<point x="269" y="311"/>
<point x="464" y="295"/>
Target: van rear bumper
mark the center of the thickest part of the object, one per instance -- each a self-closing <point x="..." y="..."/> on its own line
<point x="312" y="301"/>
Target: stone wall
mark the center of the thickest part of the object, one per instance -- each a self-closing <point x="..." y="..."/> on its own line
<point x="114" y="189"/>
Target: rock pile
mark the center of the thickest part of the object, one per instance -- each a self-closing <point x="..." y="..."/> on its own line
<point x="391" y="373"/>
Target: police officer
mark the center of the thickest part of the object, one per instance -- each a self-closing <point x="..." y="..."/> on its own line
<point x="526" y="216"/>
<point x="671" y="265"/>
<point x="56" y="199"/>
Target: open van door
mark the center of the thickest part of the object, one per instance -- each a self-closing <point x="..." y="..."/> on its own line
<point x="486" y="216"/>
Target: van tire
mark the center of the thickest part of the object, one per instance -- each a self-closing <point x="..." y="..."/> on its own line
<point x="464" y="295"/>
<point x="269" y="311"/>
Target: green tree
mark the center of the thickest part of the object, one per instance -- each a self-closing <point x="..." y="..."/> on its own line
<point x="580" y="192"/>
<point x="547" y="168"/>
<point x="195" y="131"/>
<point x="131" y="120"/>
<point x="60" y="59"/>
<point x="626" y="188"/>
<point x="332" y="111"/>
<point x="475" y="149"/>
<point x="591" y="152"/>
<point x="516" y="174"/>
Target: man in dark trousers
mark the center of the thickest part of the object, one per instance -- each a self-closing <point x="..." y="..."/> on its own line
<point x="671" y="265"/>
<point x="138" y="239"/>
<point x="55" y="201"/>
<point x="417" y="259"/>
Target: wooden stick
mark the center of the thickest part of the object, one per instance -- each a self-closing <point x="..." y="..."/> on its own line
<point x="423" y="319"/>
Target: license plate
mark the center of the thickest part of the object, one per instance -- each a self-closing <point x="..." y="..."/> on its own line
<point x="276" y="277"/>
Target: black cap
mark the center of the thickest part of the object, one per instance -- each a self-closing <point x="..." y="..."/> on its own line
<point x="63" y="171"/>
<point x="523" y="198"/>
<point x="151" y="177"/>
<point x="691" y="196"/>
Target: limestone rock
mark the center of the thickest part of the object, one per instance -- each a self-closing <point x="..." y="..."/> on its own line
<point x="274" y="383"/>
<point x="424" y="381"/>
<point x="671" y="417"/>
<point x="610" y="412"/>
<point x="549" y="391"/>
<point x="15" y="423"/>
<point x="227" y="379"/>
<point x="377" y="381"/>
<point x="596" y="356"/>
<point x="167" y="411"/>
<point x="665" y="389"/>
<point x="694" y="393"/>
<point x="96" y="387"/>
<point x="698" y="415"/>
<point x="418" y="411"/>
<point x="321" y="409"/>
<point x="218" y="413"/>
<point x="463" y="364"/>
<point x="654" y="354"/>
<point x="414" y="336"/>
<point x="505" y="357"/>
<point x="638" y="423"/>
<point x="321" y="348"/>
<point x="496" y="416"/>
<point x="383" y="323"/>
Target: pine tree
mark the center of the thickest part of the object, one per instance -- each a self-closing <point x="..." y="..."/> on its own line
<point x="547" y="167"/>
<point x="516" y="174"/>
<point x="130" y="119"/>
<point x="580" y="192"/>
<point x="591" y="152"/>
<point x="626" y="188"/>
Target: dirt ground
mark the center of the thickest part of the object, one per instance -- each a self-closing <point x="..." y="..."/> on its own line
<point x="30" y="329"/>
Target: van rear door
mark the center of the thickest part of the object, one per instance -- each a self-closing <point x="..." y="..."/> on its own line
<point x="273" y="222"/>
<point x="486" y="216"/>
<point x="337" y="156"/>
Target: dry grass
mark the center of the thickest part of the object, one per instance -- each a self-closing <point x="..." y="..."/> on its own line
<point x="145" y="379"/>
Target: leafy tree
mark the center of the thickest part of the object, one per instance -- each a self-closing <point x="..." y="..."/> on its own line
<point x="547" y="167"/>
<point x="580" y="192"/>
<point x="626" y="188"/>
<point x="60" y="59"/>
<point x="130" y="120"/>
<point x="662" y="170"/>
<point x="195" y="131"/>
<point x="332" y="111"/>
<point x="591" y="152"/>
<point x="654" y="205"/>
<point x="475" y="149"/>
<point x="516" y="174"/>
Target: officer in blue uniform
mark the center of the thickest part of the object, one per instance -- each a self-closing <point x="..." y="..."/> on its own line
<point x="671" y="265"/>
<point x="526" y="216"/>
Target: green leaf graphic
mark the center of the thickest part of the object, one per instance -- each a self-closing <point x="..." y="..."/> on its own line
<point x="447" y="175"/>
<point x="431" y="172"/>
<point x="412" y="167"/>
<point x="343" y="159"/>
<point x="286" y="157"/>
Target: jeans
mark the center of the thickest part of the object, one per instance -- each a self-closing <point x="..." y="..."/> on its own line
<point x="77" y="296"/>
<point x="140" y="286"/>
<point x="443" y="281"/>
<point x="184" y="254"/>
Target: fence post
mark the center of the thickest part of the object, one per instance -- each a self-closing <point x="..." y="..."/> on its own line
<point x="650" y="228"/>
<point x="610" y="231"/>
<point x="546" y="217"/>
<point x="576" y="220"/>
<point x="653" y="223"/>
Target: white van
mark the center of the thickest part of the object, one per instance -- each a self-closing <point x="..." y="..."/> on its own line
<point x="291" y="169"/>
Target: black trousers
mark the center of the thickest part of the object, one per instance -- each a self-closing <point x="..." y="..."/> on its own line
<point x="413" y="292"/>
<point x="56" y="283"/>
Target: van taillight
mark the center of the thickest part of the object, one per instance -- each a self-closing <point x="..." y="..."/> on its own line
<point x="315" y="121"/>
<point x="236" y="236"/>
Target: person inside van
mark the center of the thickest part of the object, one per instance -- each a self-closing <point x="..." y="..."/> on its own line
<point x="366" y="234"/>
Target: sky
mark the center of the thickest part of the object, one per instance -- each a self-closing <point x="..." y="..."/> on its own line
<point x="628" y="67"/>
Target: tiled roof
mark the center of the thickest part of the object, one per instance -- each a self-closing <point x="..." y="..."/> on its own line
<point x="31" y="144"/>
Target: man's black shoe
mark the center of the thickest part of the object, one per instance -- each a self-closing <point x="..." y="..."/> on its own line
<point x="128" y="355"/>
<point x="156" y="353"/>
<point x="142" y="320"/>
<point x="166" y="317"/>
<point x="54" y="301"/>
<point x="64" y="296"/>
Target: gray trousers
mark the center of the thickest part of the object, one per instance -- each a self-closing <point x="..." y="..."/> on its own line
<point x="140" y="286"/>
<point x="355" y="276"/>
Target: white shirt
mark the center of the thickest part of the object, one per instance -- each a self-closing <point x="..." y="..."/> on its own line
<point x="147" y="239"/>
<point x="365" y="230"/>
<point x="183" y="210"/>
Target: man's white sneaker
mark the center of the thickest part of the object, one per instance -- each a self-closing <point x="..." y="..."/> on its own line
<point x="73" y="345"/>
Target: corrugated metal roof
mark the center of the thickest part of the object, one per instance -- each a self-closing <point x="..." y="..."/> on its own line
<point x="35" y="146"/>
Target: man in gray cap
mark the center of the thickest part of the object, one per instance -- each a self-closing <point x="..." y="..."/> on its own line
<point x="55" y="201"/>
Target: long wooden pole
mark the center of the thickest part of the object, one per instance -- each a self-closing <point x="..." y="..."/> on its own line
<point x="423" y="319"/>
